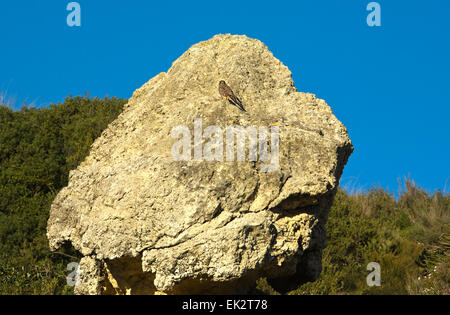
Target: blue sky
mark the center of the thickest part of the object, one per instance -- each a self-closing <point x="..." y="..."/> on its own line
<point x="389" y="85"/>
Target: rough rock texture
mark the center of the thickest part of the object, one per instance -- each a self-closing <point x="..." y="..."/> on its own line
<point x="149" y="224"/>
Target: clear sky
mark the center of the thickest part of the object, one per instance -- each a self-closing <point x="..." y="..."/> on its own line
<point x="388" y="84"/>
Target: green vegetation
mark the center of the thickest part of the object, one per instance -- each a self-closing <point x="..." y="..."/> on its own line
<point x="409" y="236"/>
<point x="38" y="148"/>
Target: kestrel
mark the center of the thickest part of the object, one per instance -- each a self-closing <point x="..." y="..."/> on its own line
<point x="226" y="92"/>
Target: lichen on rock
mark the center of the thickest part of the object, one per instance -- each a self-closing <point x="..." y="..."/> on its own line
<point x="149" y="223"/>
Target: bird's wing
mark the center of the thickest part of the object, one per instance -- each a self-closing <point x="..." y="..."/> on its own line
<point x="236" y="102"/>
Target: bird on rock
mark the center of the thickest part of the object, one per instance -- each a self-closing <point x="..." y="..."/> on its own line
<point x="226" y="92"/>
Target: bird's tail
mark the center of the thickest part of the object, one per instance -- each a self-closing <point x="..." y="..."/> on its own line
<point x="237" y="102"/>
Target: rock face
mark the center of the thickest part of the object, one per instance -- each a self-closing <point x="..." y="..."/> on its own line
<point x="163" y="205"/>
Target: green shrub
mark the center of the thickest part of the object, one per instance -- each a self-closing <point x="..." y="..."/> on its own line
<point x="408" y="237"/>
<point x="38" y="148"/>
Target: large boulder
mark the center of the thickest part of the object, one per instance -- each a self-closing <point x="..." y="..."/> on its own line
<point x="162" y="204"/>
